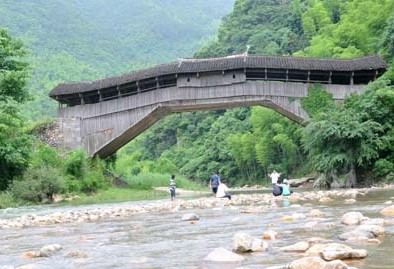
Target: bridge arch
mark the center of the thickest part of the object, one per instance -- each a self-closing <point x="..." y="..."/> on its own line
<point x="101" y="116"/>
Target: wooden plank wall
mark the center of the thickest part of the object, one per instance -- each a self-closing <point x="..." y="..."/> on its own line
<point x="106" y="126"/>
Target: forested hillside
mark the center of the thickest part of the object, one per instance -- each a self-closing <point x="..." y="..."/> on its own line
<point x="72" y="40"/>
<point x="246" y="143"/>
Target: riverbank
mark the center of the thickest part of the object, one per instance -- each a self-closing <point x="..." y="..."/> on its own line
<point x="248" y="203"/>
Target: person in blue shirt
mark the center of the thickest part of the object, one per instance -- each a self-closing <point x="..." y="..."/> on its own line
<point x="214" y="182"/>
<point x="286" y="188"/>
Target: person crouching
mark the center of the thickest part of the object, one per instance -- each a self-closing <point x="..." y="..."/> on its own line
<point x="222" y="191"/>
<point x="277" y="188"/>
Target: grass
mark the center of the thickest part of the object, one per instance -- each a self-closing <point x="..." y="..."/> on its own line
<point x="141" y="188"/>
<point x="148" y="181"/>
<point x="117" y="195"/>
<point x="7" y="200"/>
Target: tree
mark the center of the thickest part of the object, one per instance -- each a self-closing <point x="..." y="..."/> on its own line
<point x="14" y="143"/>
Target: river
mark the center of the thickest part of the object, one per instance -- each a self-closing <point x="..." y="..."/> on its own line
<point x="161" y="240"/>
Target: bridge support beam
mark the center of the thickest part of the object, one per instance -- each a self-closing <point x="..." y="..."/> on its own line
<point x="102" y="128"/>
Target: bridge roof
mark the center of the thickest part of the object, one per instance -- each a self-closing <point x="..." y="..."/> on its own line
<point x="232" y="62"/>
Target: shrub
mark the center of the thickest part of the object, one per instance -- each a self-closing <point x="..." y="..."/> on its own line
<point x="94" y="178"/>
<point x="46" y="155"/>
<point x="39" y="184"/>
<point x="383" y="169"/>
<point x="77" y="164"/>
<point x="7" y="200"/>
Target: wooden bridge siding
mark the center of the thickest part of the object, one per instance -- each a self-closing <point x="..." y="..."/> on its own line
<point x="113" y="123"/>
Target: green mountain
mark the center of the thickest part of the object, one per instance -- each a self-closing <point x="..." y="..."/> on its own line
<point x="73" y="40"/>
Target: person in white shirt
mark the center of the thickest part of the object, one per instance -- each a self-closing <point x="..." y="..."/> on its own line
<point x="222" y="191"/>
<point x="274" y="177"/>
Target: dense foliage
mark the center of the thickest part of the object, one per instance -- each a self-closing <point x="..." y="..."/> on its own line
<point x="14" y="143"/>
<point x="356" y="137"/>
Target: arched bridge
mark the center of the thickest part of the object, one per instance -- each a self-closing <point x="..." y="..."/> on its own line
<point x="101" y="116"/>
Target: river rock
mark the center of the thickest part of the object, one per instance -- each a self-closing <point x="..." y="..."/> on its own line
<point x="244" y="242"/>
<point x="223" y="255"/>
<point x="350" y="201"/>
<point x="376" y="230"/>
<point x="352" y="218"/>
<point x="190" y="216"/>
<point x="49" y="250"/>
<point x="298" y="247"/>
<point x="375" y="221"/>
<point x="336" y="264"/>
<point x="76" y="254"/>
<point x="30" y="254"/>
<point x="356" y="235"/>
<point x="318" y="240"/>
<point x="309" y="262"/>
<point x="389" y="211"/>
<point x="335" y="251"/>
<point x="316" y="249"/>
<point x="316" y="213"/>
<point x="270" y="235"/>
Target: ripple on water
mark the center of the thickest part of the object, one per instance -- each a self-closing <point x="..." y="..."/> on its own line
<point x="161" y="240"/>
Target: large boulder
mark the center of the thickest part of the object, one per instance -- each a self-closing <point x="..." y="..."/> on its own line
<point x="335" y="251"/>
<point x="356" y="235"/>
<point x="244" y="242"/>
<point x="298" y="247"/>
<point x="363" y="232"/>
<point x="300" y="181"/>
<point x="223" y="255"/>
<point x="388" y="211"/>
<point x="308" y="262"/>
<point x="322" y="182"/>
<point x="352" y="218"/>
<point x="49" y="250"/>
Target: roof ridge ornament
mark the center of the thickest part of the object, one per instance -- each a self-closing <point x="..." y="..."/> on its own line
<point x="246" y="52"/>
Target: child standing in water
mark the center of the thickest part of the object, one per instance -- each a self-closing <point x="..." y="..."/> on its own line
<point x="172" y="187"/>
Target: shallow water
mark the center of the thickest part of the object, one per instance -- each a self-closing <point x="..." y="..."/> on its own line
<point x="155" y="240"/>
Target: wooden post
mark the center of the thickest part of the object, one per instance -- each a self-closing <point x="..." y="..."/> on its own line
<point x="100" y="96"/>
<point x="82" y="101"/>
<point x="352" y="79"/>
<point x="265" y="74"/>
<point x="138" y="86"/>
<point x="330" y="78"/>
<point x="157" y="83"/>
<point x="309" y="75"/>
<point x="119" y="93"/>
<point x="287" y="75"/>
<point x="376" y="75"/>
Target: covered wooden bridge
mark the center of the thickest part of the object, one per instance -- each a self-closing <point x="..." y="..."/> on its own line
<point x="101" y="116"/>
